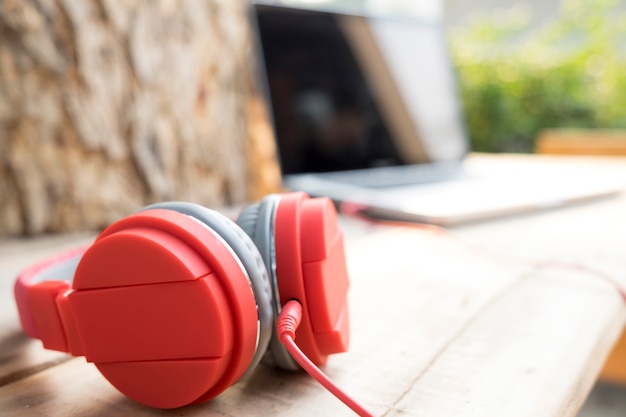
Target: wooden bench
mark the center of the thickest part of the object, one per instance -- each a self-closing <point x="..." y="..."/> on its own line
<point x="464" y="322"/>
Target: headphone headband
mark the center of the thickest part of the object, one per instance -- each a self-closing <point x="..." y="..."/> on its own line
<point x="174" y="303"/>
<point x="36" y="290"/>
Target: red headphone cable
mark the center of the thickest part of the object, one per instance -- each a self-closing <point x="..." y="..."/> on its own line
<point x="288" y="322"/>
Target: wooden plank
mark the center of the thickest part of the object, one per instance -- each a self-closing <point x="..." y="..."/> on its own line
<point x="591" y="142"/>
<point x="581" y="142"/>
<point x="589" y="235"/>
<point x="538" y="365"/>
<point x="437" y="329"/>
<point x="615" y="367"/>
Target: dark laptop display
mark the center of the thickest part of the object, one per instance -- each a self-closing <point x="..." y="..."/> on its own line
<point x="366" y="111"/>
<point x="351" y="92"/>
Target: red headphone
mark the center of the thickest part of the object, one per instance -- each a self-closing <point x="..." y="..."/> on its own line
<point x="175" y="303"/>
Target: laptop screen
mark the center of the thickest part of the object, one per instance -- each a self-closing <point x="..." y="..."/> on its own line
<point x="353" y="92"/>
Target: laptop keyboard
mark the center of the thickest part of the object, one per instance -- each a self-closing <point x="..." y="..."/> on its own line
<point x="397" y="175"/>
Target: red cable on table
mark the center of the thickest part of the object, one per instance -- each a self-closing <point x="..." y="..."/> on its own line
<point x="288" y="322"/>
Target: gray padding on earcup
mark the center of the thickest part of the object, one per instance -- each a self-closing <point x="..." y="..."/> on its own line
<point x="248" y="219"/>
<point x="248" y="255"/>
<point x="257" y="220"/>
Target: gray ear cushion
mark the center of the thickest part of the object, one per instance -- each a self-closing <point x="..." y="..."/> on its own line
<point x="248" y="255"/>
<point x="248" y="219"/>
<point x="257" y="220"/>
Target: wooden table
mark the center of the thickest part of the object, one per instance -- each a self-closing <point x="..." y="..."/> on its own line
<point x="468" y="322"/>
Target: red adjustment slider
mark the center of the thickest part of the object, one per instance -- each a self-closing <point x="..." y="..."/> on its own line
<point x="38" y="290"/>
<point x="43" y="299"/>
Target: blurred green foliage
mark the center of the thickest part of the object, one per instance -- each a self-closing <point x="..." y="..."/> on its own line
<point x="516" y="79"/>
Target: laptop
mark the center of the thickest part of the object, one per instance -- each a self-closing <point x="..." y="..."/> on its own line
<point x="366" y="110"/>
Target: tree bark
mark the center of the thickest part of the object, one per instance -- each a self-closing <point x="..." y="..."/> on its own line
<point x="108" y="105"/>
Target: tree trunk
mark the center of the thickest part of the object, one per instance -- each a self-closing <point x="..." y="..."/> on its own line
<point x="108" y="105"/>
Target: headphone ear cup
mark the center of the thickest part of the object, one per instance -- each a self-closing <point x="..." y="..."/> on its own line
<point x="257" y="221"/>
<point x="311" y="268"/>
<point x="163" y="307"/>
<point x="303" y="245"/>
<point x="249" y="256"/>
